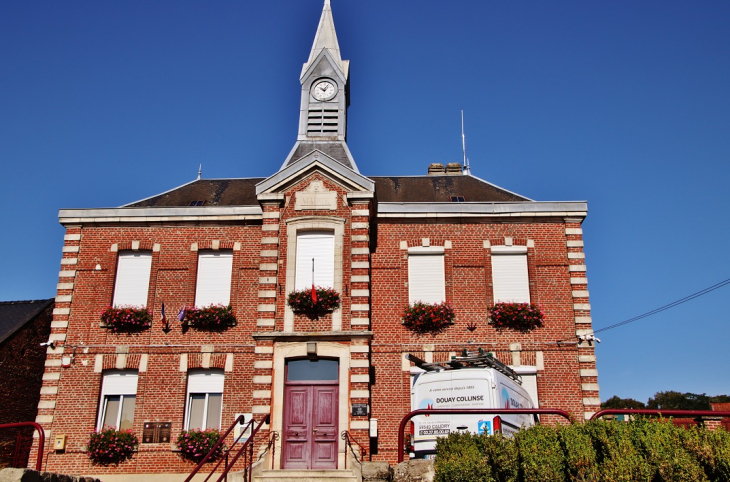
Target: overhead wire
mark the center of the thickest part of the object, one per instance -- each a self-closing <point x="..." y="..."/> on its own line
<point x="667" y="306"/>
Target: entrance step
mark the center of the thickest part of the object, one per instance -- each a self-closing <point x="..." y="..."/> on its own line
<point x="307" y="476"/>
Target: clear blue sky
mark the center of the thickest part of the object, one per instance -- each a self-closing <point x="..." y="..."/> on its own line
<point x="625" y="104"/>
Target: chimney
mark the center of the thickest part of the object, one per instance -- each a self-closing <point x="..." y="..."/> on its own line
<point x="453" y="168"/>
<point x="435" y="169"/>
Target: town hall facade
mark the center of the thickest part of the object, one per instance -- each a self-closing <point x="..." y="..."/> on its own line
<point x="380" y="242"/>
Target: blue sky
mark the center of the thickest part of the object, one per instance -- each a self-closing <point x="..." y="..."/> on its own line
<point x="625" y="104"/>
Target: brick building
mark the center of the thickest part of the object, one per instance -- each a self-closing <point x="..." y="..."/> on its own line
<point x="24" y="325"/>
<point x="379" y="241"/>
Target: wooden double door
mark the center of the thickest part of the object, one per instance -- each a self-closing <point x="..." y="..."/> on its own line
<point x="310" y="418"/>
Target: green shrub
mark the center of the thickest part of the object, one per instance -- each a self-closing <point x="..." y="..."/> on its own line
<point x="661" y="445"/>
<point x="461" y="459"/>
<point x="541" y="457"/>
<point x="580" y="456"/>
<point x="618" y="458"/>
<point x="502" y="457"/>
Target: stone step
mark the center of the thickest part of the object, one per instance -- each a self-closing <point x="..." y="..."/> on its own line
<point x="306" y="475"/>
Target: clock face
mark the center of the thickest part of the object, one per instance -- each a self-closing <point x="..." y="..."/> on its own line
<point x="324" y="90"/>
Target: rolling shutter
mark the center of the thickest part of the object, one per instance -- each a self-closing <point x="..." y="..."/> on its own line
<point x="320" y="246"/>
<point x="509" y="274"/>
<point x="205" y="381"/>
<point x="214" y="278"/>
<point x="426" y="278"/>
<point x="133" y="279"/>
<point x="119" y="383"/>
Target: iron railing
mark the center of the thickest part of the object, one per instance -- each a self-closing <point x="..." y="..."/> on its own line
<point x="246" y="450"/>
<point x="660" y="412"/>
<point x="41" y="439"/>
<point x="349" y="439"/>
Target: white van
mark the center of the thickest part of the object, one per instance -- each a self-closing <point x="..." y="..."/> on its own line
<point x="490" y="386"/>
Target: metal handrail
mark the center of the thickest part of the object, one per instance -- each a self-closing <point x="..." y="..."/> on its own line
<point x="273" y="437"/>
<point x="348" y="438"/>
<point x="472" y="411"/>
<point x="246" y="445"/>
<point x="239" y="420"/>
<point x="660" y="412"/>
<point x="41" y="439"/>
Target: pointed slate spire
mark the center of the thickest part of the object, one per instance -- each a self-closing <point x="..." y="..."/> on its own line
<point x="326" y="38"/>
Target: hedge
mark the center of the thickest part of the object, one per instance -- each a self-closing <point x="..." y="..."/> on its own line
<point x="642" y="450"/>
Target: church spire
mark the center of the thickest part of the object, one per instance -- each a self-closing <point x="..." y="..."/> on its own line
<point x="326" y="38"/>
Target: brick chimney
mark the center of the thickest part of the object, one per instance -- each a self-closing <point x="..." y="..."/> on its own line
<point x="435" y="169"/>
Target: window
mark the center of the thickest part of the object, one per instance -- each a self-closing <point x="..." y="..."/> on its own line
<point x="214" y="278"/>
<point x="318" y="248"/>
<point x="133" y="279"/>
<point x="118" y="396"/>
<point x="509" y="274"/>
<point x="204" y="399"/>
<point x="426" y="274"/>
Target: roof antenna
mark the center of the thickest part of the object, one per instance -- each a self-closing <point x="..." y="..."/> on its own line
<point x="200" y="171"/>
<point x="467" y="168"/>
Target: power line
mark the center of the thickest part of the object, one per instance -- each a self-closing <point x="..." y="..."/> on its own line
<point x="667" y="306"/>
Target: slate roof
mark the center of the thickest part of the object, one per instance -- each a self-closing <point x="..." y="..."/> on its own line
<point x="334" y="149"/>
<point x="427" y="189"/>
<point x="15" y="314"/>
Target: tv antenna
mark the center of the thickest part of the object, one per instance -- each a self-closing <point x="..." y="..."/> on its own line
<point x="467" y="168"/>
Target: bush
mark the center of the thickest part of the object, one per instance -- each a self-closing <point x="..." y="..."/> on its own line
<point x="643" y="450"/>
<point x="111" y="446"/>
<point x="428" y="318"/>
<point x="211" y="318"/>
<point x="461" y="459"/>
<point x="540" y="455"/>
<point x="127" y="318"/>
<point x="194" y="445"/>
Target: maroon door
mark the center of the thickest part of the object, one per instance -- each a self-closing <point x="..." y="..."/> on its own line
<point x="310" y="424"/>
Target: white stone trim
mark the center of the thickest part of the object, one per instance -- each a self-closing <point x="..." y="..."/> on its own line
<point x="59" y="324"/>
<point x="574" y="244"/>
<point x="262" y="394"/>
<point x="183" y="362"/>
<point x="267" y="280"/>
<point x="70" y="249"/>
<point x="360" y="378"/>
<point x="576" y="255"/>
<point x="589" y="387"/>
<point x="52" y="376"/>
<point x="360" y="307"/>
<point x="360" y="225"/>
<point x="61" y="311"/>
<point x="588" y="372"/>
<point x="359" y="349"/>
<point x="586" y="358"/>
<point x="44" y="418"/>
<point x="356" y="293"/>
<point x="264" y="349"/>
<point x="579" y="281"/>
<point x="269" y="253"/>
<point x="361" y="212"/>
<point x="582" y="306"/>
<point x="573" y="231"/>
<point x="64" y="298"/>
<point x="262" y="379"/>
<point x="269" y="227"/>
<point x="69" y="261"/>
<point x="270" y="240"/>
<point x="67" y="274"/>
<point x="268" y="266"/>
<point x="57" y="337"/>
<point x="356" y="278"/>
<point x="72" y="237"/>
<point x="267" y="293"/>
<point x="49" y="390"/>
<point x="337" y="226"/>
<point x="360" y="237"/>
<point x="271" y="215"/>
<point x="591" y="401"/>
<point x="266" y="308"/>
<point x="583" y="319"/>
<point x="580" y="294"/>
<point x="360" y="250"/>
<point x="360" y="264"/>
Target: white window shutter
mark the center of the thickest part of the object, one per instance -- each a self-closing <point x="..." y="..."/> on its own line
<point x="133" y="279"/>
<point x="426" y="278"/>
<point x="214" y="278"/>
<point x="510" y="279"/>
<point x="320" y="246"/>
<point x="119" y="383"/>
<point x="205" y="381"/>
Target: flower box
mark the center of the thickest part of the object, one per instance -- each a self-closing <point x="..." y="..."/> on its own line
<point x="428" y="318"/>
<point x="126" y="318"/>
<point x="111" y="446"/>
<point x="194" y="445"/>
<point x="302" y="301"/>
<point x="210" y="318"/>
<point x="523" y="317"/>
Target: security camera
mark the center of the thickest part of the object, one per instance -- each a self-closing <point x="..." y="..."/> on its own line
<point x="49" y="343"/>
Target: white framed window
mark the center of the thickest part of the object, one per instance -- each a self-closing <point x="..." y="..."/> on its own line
<point x="213" y="286"/>
<point x="204" y="399"/>
<point x="426" y="279"/>
<point x="133" y="278"/>
<point x="315" y="248"/>
<point x="118" y="397"/>
<point x="509" y="274"/>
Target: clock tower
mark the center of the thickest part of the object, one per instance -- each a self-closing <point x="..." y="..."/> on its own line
<point x="324" y="98"/>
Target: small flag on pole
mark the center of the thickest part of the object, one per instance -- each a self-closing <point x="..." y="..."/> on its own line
<point x="162" y="313"/>
<point x="181" y="315"/>
<point x="314" y="290"/>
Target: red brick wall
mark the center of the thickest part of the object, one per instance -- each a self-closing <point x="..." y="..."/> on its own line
<point x="161" y="388"/>
<point x="22" y="361"/>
